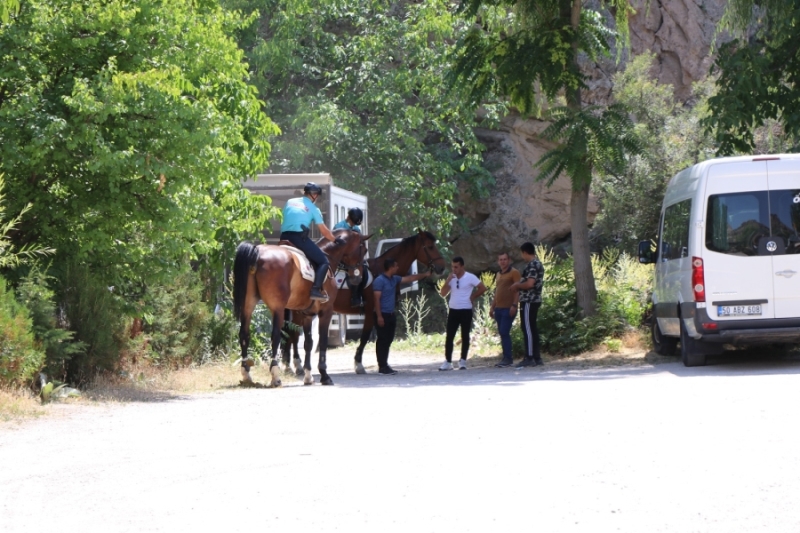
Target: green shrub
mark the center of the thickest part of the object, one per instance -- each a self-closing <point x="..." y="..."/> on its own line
<point x="177" y="320"/>
<point x="95" y="315"/>
<point x="20" y="355"/>
<point x="622" y="286"/>
<point x="35" y="293"/>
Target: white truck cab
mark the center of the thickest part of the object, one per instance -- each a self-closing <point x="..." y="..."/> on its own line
<point x="728" y="256"/>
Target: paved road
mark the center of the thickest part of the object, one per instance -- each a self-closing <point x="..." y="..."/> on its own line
<point x="635" y="449"/>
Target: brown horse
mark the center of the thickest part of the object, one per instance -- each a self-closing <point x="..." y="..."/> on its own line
<point x="420" y="247"/>
<point x="272" y="274"/>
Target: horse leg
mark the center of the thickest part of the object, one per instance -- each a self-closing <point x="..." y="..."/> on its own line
<point x="308" y="343"/>
<point x="324" y="324"/>
<point x="365" y="334"/>
<point x="287" y="341"/>
<point x="244" y="341"/>
<point x="274" y="367"/>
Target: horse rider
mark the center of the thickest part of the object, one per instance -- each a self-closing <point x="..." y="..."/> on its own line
<point x="298" y="214"/>
<point x="353" y="223"/>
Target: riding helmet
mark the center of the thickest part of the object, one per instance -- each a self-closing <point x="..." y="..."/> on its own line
<point x="355" y="215"/>
<point x="312" y="188"/>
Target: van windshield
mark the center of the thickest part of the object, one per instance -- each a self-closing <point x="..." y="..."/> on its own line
<point x="745" y="223"/>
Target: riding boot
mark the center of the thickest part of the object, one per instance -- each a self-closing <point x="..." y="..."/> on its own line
<point x="316" y="291"/>
<point x="356" y="300"/>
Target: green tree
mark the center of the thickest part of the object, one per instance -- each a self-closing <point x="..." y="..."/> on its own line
<point x="529" y="51"/>
<point x="358" y="89"/>
<point x="673" y="139"/>
<point x="10" y="255"/>
<point x="758" y="74"/>
<point x="129" y="126"/>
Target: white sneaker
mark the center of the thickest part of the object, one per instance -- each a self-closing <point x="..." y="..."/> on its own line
<point x="462" y="364"/>
<point x="447" y="365"/>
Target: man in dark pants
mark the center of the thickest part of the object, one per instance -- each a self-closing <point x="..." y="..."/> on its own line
<point x="385" y="289"/>
<point x="298" y="214"/>
<point x="464" y="288"/>
<point x="530" y="299"/>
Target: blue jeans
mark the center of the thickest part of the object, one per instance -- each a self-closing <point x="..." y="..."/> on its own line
<point x="502" y="316"/>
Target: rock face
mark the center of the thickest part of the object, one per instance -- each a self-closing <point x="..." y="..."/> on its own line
<point x="679" y="33"/>
<point x="520" y="208"/>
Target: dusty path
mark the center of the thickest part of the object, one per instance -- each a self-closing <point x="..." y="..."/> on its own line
<point x="631" y="448"/>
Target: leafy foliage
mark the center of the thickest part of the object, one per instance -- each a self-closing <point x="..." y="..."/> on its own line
<point x="129" y="126"/>
<point x="177" y="320"/>
<point x="96" y="316"/>
<point x="623" y="286"/>
<point x="10" y="255"/>
<point x="588" y="139"/>
<point x="672" y="139"/>
<point x="35" y="293"/>
<point x="20" y="356"/>
<point x="358" y="89"/>
<point x="758" y="74"/>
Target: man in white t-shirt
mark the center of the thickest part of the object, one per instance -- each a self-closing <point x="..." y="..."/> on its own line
<point x="464" y="288"/>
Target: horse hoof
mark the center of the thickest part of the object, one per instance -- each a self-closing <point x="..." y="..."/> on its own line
<point x="276" y="384"/>
<point x="327" y="381"/>
<point x="309" y="379"/>
<point x="299" y="372"/>
<point x="360" y="369"/>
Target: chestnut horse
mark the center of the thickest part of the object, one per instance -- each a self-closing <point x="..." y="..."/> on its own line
<point x="272" y="274"/>
<point x="420" y="247"/>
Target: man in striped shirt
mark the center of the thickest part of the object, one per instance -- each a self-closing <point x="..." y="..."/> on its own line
<point x="530" y="299"/>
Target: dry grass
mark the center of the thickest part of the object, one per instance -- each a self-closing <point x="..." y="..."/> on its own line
<point x="19" y="404"/>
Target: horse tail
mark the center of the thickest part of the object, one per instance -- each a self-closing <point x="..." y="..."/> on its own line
<point x="246" y="256"/>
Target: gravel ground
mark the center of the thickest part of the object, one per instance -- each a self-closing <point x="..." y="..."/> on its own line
<point x="565" y="447"/>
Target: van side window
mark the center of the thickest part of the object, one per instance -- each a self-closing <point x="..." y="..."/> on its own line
<point x="784" y="207"/>
<point x="675" y="233"/>
<point x="735" y="222"/>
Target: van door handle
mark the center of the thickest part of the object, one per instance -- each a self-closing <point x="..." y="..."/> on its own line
<point x="786" y="273"/>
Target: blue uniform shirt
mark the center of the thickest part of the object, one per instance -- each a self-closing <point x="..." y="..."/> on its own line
<point x="344" y="225"/>
<point x="300" y="212"/>
<point x="386" y="286"/>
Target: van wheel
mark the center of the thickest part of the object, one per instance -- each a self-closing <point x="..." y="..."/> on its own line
<point x="692" y="353"/>
<point x="662" y="344"/>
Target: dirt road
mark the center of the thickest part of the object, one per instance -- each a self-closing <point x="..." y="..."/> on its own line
<point x="631" y="448"/>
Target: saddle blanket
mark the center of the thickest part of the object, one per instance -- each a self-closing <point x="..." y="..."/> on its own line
<point x="306" y="270"/>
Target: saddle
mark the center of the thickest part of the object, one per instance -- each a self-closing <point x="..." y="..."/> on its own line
<point x="306" y="268"/>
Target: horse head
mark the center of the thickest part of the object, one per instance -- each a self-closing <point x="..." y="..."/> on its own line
<point x="428" y="254"/>
<point x="349" y="253"/>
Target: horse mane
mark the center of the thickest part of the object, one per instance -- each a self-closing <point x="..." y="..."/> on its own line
<point x="327" y="245"/>
<point x="413" y="239"/>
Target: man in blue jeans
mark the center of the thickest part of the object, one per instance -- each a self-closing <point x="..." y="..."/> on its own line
<point x="504" y="305"/>
<point x="385" y="289"/>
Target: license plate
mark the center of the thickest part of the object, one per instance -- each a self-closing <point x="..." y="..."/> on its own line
<point x="738" y="310"/>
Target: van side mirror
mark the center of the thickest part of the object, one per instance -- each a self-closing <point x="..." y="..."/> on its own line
<point x="647" y="252"/>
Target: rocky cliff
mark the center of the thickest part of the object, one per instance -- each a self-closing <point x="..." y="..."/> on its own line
<point x="679" y="32"/>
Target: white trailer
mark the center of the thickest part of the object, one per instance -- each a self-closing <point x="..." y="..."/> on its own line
<point x="334" y="204"/>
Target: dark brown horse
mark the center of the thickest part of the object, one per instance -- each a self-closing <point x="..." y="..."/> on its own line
<point x="272" y="274"/>
<point x="420" y="247"/>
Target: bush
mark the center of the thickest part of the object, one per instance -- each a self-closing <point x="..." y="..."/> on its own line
<point x="95" y="315"/>
<point x="622" y="286"/>
<point x="177" y="321"/>
<point x="20" y="356"/>
<point x="35" y="293"/>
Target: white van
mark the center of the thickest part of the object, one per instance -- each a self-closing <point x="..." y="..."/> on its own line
<point x="728" y="257"/>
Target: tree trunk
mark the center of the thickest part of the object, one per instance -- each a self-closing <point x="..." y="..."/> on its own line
<point x="584" y="276"/>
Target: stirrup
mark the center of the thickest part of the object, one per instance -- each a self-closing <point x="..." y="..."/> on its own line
<point x="320" y="295"/>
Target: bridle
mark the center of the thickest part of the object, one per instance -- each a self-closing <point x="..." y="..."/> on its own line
<point x="431" y="259"/>
<point x="355" y="272"/>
